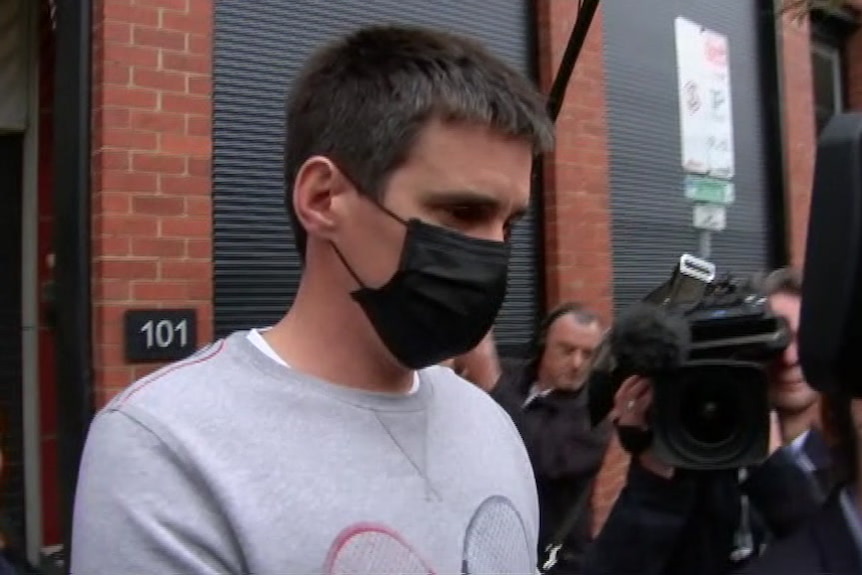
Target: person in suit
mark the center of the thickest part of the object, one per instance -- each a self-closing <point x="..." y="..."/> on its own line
<point x="831" y="543"/>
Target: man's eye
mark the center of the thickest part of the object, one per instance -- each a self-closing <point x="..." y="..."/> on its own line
<point x="466" y="214"/>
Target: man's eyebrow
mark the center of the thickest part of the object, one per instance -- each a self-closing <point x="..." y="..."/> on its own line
<point x="462" y="197"/>
<point x="470" y="198"/>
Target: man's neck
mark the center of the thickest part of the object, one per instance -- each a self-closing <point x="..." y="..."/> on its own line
<point x="795" y="424"/>
<point x="320" y="336"/>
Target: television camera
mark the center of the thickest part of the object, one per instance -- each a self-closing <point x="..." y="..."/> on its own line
<point x="705" y="343"/>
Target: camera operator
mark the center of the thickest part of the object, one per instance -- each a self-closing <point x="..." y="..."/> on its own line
<point x="670" y="521"/>
<point x="795" y="401"/>
<point x="832" y="542"/>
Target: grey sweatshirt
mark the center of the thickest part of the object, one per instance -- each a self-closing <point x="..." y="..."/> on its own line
<point x="228" y="462"/>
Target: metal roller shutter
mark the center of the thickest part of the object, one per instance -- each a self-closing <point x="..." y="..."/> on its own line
<point x="651" y="219"/>
<point x="259" y="49"/>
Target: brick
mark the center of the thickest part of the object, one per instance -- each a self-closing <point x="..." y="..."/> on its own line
<point x="116" y="73"/>
<point x="200" y="44"/>
<point x="112" y="159"/>
<point x="127" y="12"/>
<point x="176" y="5"/>
<point x="158" y="205"/>
<point x="186" y="145"/>
<point x="159" y="80"/>
<point x="113" y="246"/>
<point x="198" y="125"/>
<point x="199" y="85"/>
<point x="114" y="31"/>
<point x="115" y="203"/>
<point x="199" y="206"/>
<point x="111" y="291"/>
<point x="128" y="139"/>
<point x="185" y="104"/>
<point x="159" y="163"/>
<point x="158" y="121"/>
<point x="200" y="166"/>
<point x="184" y="270"/>
<point x="129" y="97"/>
<point x="124" y="225"/>
<point x="158" y="38"/>
<point x="158" y="247"/>
<point x="131" y="55"/>
<point x="118" y="181"/>
<point x="201" y="290"/>
<point x="124" y="269"/>
<point x="181" y="62"/>
<point x="160" y="291"/>
<point x="193" y="23"/>
<point x="199" y="248"/>
<point x="186" y="185"/>
<point x="115" y="117"/>
<point x="185" y="228"/>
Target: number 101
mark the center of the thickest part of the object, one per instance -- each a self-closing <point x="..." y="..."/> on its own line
<point x="161" y="334"/>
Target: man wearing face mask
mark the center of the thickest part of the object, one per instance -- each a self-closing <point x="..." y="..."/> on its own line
<point x="408" y="159"/>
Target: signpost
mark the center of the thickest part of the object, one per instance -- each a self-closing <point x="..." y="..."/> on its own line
<point x="706" y="126"/>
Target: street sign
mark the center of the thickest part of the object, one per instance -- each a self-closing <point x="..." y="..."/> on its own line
<point x="709" y="190"/>
<point x="710" y="217"/>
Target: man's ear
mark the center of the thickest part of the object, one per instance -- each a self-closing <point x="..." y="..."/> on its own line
<point x="317" y="182"/>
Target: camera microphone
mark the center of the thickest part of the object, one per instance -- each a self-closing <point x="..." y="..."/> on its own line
<point x="648" y="340"/>
<point x="645" y="340"/>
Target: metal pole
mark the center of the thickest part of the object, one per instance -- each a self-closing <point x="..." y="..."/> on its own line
<point x="705" y="237"/>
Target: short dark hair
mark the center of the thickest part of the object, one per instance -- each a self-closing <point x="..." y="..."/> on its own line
<point x="786" y="280"/>
<point x="363" y="100"/>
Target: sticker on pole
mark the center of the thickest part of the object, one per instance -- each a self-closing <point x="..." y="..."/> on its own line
<point x="709" y="190"/>
<point x="711" y="217"/>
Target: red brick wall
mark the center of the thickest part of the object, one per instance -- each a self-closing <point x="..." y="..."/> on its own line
<point x="799" y="129"/>
<point x="152" y="140"/>
<point x="577" y="188"/>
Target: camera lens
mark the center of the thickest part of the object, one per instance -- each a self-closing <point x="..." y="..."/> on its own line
<point x="709" y="413"/>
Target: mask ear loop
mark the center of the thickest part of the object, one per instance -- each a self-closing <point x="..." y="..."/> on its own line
<point x="346" y="265"/>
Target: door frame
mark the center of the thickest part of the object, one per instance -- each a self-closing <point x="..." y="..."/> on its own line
<point x="32" y="431"/>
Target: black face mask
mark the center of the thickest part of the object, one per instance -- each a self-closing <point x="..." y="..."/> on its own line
<point x="442" y="300"/>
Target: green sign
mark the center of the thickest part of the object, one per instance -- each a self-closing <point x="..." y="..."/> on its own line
<point x="709" y="190"/>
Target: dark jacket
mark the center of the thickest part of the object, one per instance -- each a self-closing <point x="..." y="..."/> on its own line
<point x="686" y="525"/>
<point x="823" y="546"/>
<point x="566" y="454"/>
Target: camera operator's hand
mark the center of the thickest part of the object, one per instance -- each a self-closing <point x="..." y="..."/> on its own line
<point x="632" y="402"/>
<point x="631" y="407"/>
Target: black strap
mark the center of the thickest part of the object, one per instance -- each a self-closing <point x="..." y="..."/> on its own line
<point x="557" y="541"/>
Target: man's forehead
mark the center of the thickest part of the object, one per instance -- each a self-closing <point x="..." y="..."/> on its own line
<point x="570" y="327"/>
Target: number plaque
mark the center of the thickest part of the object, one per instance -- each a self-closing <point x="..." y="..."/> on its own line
<point x="160" y="334"/>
